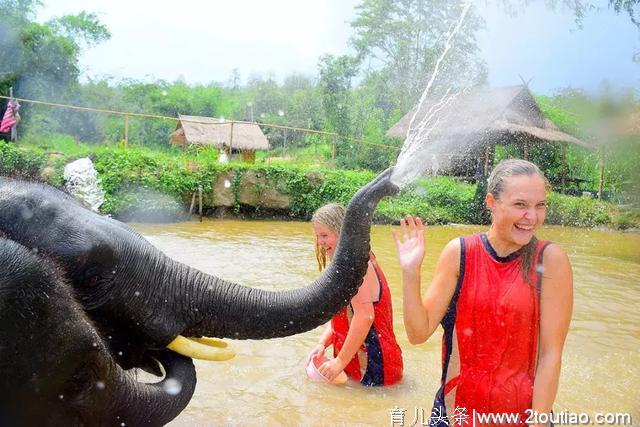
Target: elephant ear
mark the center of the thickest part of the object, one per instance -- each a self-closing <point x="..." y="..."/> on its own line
<point x="54" y="224"/>
<point x="94" y="280"/>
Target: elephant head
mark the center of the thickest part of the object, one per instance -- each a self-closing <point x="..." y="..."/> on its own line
<point x="139" y="301"/>
<point x="56" y="368"/>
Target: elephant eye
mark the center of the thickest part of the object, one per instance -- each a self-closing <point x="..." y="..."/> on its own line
<point x="96" y="276"/>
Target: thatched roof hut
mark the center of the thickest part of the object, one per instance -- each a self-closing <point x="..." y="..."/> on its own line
<point x="495" y="116"/>
<point x="243" y="137"/>
<point x="464" y="128"/>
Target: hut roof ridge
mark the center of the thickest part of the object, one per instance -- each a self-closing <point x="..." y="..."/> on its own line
<point x="219" y="133"/>
<point x="486" y="112"/>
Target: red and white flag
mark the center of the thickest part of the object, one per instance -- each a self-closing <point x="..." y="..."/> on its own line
<point x="10" y="117"/>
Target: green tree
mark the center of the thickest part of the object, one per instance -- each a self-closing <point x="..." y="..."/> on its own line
<point x="41" y="61"/>
<point x="404" y="39"/>
<point x="335" y="84"/>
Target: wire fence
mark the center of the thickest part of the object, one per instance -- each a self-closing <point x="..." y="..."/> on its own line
<point x="282" y="137"/>
<point x="286" y="143"/>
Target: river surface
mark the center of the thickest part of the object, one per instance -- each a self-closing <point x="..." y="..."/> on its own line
<point x="265" y="384"/>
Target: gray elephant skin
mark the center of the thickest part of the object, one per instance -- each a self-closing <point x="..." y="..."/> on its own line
<point x="83" y="298"/>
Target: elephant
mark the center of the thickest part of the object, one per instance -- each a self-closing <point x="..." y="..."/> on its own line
<point x="83" y="298"/>
<point x="55" y="367"/>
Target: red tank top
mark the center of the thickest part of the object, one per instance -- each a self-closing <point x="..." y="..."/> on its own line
<point x="379" y="360"/>
<point x="490" y="345"/>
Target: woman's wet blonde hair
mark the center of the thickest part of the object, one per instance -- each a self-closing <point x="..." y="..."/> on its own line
<point x="332" y="217"/>
<point x="495" y="185"/>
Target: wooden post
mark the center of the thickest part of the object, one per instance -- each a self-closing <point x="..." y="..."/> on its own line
<point x="14" y="129"/>
<point x="284" y="143"/>
<point x="231" y="140"/>
<point x="563" y="177"/>
<point x="200" y="201"/>
<point x="193" y="203"/>
<point x="126" y="130"/>
<point x="601" y="181"/>
<point x="525" y="149"/>
<point x="333" y="151"/>
<point x="490" y="159"/>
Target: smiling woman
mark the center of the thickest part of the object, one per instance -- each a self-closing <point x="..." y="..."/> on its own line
<point x="504" y="321"/>
<point x="361" y="334"/>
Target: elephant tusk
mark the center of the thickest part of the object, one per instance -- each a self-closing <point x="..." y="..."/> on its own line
<point x="197" y="350"/>
<point x="213" y="342"/>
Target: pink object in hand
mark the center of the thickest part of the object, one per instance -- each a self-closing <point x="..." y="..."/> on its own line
<point x="315" y="375"/>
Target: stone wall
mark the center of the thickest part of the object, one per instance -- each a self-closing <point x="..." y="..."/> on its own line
<point x="253" y="190"/>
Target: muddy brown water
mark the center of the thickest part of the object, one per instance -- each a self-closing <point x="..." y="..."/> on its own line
<point x="265" y="384"/>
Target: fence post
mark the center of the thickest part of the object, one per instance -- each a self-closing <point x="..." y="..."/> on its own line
<point x="193" y="203"/>
<point x="333" y="151"/>
<point x="563" y="173"/>
<point x="14" y="128"/>
<point x="126" y="130"/>
<point x="601" y="180"/>
<point x="200" y="201"/>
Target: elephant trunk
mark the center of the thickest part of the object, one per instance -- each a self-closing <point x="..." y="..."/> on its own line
<point x="133" y="403"/>
<point x="229" y="310"/>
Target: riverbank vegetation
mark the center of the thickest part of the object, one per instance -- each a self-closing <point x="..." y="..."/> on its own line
<point x="151" y="181"/>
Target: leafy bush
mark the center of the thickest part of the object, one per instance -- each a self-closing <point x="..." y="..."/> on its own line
<point x="20" y="162"/>
<point x="136" y="175"/>
<point x="577" y="211"/>
<point x="625" y="220"/>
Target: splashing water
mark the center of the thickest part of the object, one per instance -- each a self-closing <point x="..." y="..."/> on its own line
<point x="415" y="159"/>
<point x="81" y="181"/>
<point x="172" y="386"/>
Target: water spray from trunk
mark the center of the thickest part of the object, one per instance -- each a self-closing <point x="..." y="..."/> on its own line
<point x="415" y="159"/>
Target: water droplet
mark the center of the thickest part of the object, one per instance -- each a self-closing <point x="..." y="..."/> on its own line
<point x="61" y="397"/>
<point x="100" y="385"/>
<point x="468" y="331"/>
<point x="137" y="293"/>
<point x="27" y="213"/>
<point x="172" y="386"/>
<point x="119" y="353"/>
<point x="227" y="183"/>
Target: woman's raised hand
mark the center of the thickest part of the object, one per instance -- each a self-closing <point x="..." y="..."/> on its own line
<point x="410" y="243"/>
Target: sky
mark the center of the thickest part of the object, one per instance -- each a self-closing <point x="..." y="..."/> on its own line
<point x="202" y="41"/>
